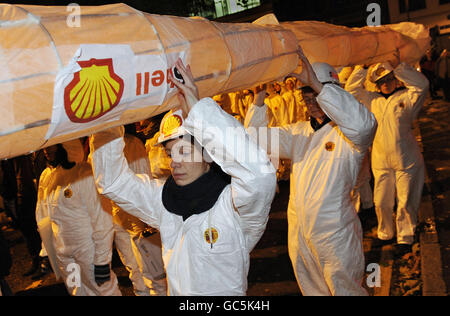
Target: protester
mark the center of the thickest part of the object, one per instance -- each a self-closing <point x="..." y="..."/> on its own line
<point x="324" y="233"/>
<point x="302" y="110"/>
<point x="397" y="163"/>
<point x="290" y="100"/>
<point x="279" y="89"/>
<point x="208" y="226"/>
<point x="276" y="107"/>
<point x="427" y="67"/>
<point x="81" y="224"/>
<point x="246" y="101"/>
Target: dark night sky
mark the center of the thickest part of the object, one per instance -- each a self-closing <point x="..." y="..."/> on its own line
<point x="345" y="12"/>
<point x="175" y="7"/>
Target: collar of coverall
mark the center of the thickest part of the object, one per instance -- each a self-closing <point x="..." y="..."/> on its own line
<point x="316" y="125"/>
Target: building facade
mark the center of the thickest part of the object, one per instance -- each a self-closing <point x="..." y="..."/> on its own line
<point x="434" y="14"/>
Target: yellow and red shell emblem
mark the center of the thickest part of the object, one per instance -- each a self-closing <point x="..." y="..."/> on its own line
<point x="94" y="91"/>
<point x="68" y="193"/>
<point x="171" y="125"/>
<point x="214" y="233"/>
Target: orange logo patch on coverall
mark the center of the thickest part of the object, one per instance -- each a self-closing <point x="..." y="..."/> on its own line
<point x="68" y="193"/>
<point x="330" y="146"/>
<point x="215" y="235"/>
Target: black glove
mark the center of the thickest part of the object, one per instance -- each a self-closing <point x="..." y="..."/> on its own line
<point x="102" y="274"/>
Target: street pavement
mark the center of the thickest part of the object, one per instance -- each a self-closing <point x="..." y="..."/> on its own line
<point x="434" y="214"/>
<point x="424" y="272"/>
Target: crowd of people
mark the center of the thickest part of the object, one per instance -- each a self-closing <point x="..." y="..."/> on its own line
<point x="186" y="226"/>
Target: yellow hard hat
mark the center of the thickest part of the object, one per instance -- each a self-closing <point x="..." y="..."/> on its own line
<point x="171" y="126"/>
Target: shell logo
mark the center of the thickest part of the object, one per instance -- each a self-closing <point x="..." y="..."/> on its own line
<point x="171" y="125"/>
<point x="214" y="233"/>
<point x="94" y="91"/>
<point x="68" y="193"/>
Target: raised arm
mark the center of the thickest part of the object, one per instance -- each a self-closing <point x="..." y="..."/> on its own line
<point x="355" y="121"/>
<point x="416" y="83"/>
<point x="137" y="195"/>
<point x="256" y="122"/>
<point x="355" y="85"/>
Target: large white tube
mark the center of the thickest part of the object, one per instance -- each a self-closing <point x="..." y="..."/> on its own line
<point x="37" y="43"/>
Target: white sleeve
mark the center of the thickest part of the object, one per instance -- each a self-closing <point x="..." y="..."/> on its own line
<point x="137" y="195"/>
<point x="136" y="155"/>
<point x="282" y="136"/>
<point x="253" y="178"/>
<point x="416" y="83"/>
<point x="355" y="121"/>
<point x="355" y="85"/>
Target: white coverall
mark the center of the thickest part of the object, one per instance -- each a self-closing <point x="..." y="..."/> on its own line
<point x="397" y="163"/>
<point x="239" y="216"/>
<point x="290" y="100"/>
<point x="324" y="232"/>
<point x="82" y="227"/>
<point x="362" y="195"/>
<point x="127" y="227"/>
<point x="278" y="111"/>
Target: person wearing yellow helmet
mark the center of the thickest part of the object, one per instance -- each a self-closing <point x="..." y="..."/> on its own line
<point x="209" y="218"/>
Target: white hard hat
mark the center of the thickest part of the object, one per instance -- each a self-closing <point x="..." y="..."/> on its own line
<point x="171" y="126"/>
<point x="325" y="73"/>
<point x="75" y="150"/>
<point x="379" y="71"/>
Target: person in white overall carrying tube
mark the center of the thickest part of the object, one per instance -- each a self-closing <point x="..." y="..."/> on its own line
<point x="397" y="163"/>
<point x="324" y="231"/>
<point x="214" y="207"/>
